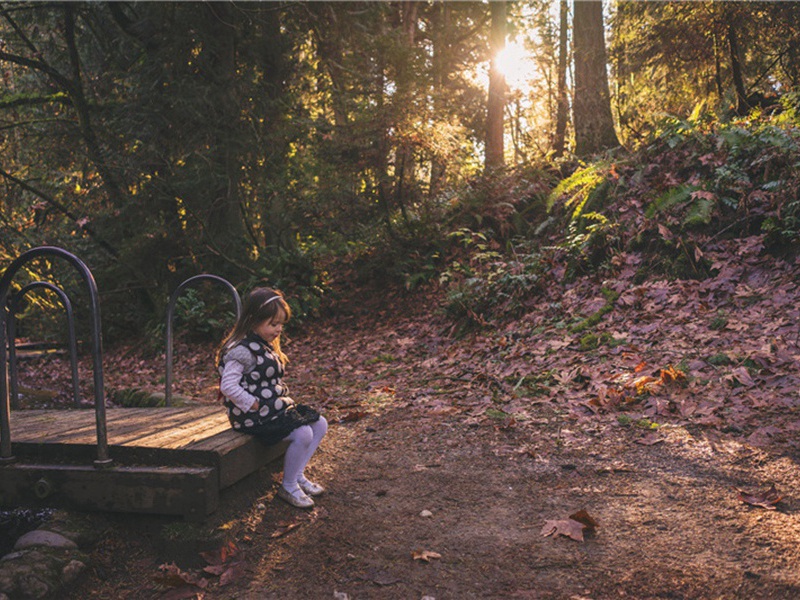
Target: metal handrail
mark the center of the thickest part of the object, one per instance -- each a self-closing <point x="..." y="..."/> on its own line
<point x="12" y="350"/>
<point x="103" y="459"/>
<point x="170" y="314"/>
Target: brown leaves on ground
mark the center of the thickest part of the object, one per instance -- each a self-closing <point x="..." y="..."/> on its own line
<point x="225" y="562"/>
<point x="180" y="584"/>
<point x="717" y="353"/>
<point x="767" y="499"/>
<point x="285" y="527"/>
<point x="631" y="387"/>
<point x="425" y="555"/>
<point x="573" y="527"/>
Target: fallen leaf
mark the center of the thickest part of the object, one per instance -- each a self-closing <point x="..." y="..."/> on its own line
<point x="767" y="499"/>
<point x="573" y="527"/>
<point x="170" y="575"/>
<point x="650" y="439"/>
<point x="742" y="375"/>
<point x="221" y="555"/>
<point x="215" y="569"/>
<point x="566" y="527"/>
<point x="425" y="555"/>
<point x="236" y="570"/>
<point x="352" y="416"/>
<point x="583" y="517"/>
<point x="283" y="529"/>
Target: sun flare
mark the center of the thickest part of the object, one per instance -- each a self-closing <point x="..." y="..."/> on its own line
<point x="515" y="63"/>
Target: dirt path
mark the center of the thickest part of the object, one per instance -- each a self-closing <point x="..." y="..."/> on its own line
<point x="670" y="521"/>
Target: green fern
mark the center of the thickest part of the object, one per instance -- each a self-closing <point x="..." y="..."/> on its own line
<point x="581" y="188"/>
<point x="672" y="197"/>
<point x="700" y="212"/>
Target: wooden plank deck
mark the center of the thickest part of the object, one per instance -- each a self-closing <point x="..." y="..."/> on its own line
<point x="165" y="460"/>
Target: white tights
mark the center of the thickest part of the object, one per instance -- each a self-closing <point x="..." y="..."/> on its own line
<point x="303" y="442"/>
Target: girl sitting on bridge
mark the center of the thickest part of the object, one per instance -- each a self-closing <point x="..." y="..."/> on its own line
<point x="251" y="367"/>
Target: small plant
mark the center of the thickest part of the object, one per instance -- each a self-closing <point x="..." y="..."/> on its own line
<point x="533" y="384"/>
<point x="719" y="322"/>
<point x="589" y="342"/>
<point x="382" y="358"/>
<point x="489" y="284"/>
<point x="199" y="319"/>
<point x="591" y="234"/>
<point x="136" y="398"/>
<point x="624" y="420"/>
<point x="496" y="414"/>
<point x="720" y="360"/>
<point x="644" y="423"/>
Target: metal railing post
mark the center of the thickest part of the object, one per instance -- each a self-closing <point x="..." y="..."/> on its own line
<point x="103" y="459"/>
<point x="170" y="313"/>
<point x="73" y="346"/>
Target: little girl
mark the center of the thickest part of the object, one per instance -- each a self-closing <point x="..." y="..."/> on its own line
<point x="251" y="367"/>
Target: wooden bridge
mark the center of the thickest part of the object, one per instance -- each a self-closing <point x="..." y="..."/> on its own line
<point x="169" y="460"/>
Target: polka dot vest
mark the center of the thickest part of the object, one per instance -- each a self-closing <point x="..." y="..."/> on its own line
<point x="277" y="414"/>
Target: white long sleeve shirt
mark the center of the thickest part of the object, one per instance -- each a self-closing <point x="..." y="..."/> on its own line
<point x="239" y="361"/>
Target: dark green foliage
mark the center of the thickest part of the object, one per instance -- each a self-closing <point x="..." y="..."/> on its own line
<point x="483" y="284"/>
<point x="279" y="143"/>
<point x="199" y="319"/>
<point x="734" y="177"/>
<point x="136" y="398"/>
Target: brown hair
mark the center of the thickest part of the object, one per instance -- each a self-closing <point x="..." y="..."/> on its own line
<point x="261" y="304"/>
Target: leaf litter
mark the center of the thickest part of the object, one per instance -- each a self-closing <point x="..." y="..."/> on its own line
<point x="721" y="388"/>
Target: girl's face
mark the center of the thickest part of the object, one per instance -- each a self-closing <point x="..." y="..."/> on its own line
<point x="270" y="329"/>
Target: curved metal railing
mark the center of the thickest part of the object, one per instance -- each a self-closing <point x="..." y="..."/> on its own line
<point x="170" y="314"/>
<point x="6" y="456"/>
<point x="12" y="336"/>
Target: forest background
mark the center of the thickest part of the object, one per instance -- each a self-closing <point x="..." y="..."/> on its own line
<point x="317" y="146"/>
<point x="550" y="246"/>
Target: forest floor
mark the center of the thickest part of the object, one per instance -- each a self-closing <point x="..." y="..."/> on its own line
<point x="448" y="460"/>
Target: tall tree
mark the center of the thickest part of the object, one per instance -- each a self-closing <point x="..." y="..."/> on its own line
<point x="497" y="89"/>
<point x="594" y="125"/>
<point x="562" y="106"/>
<point x="670" y="57"/>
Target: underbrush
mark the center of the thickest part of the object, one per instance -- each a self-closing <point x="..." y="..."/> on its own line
<point x="697" y="183"/>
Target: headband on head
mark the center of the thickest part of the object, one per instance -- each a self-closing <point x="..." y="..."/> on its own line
<point x="276" y="297"/>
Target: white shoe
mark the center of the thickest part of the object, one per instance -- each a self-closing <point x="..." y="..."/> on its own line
<point x="311" y="488"/>
<point x="296" y="498"/>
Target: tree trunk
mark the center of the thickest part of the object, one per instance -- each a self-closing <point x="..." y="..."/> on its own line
<point x="718" y="70"/>
<point x="441" y="14"/>
<point x="277" y="229"/>
<point x="225" y="232"/>
<point x="594" y="125"/>
<point x="736" y="70"/>
<point x="405" y="167"/>
<point x="497" y="90"/>
<point x="562" y="108"/>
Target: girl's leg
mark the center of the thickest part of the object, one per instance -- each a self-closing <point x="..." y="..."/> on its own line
<point x="303" y="442"/>
<point x="319" y="429"/>
<point x="295" y="459"/>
